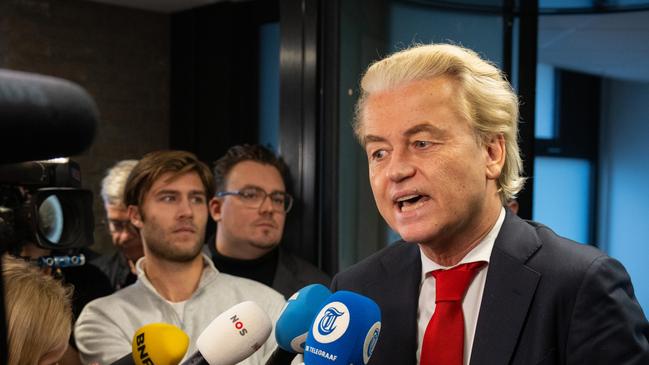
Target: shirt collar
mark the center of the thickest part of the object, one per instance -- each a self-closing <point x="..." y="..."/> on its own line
<point x="481" y="252"/>
<point x="209" y="273"/>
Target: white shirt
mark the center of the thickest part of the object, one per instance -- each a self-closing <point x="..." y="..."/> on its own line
<point x="473" y="297"/>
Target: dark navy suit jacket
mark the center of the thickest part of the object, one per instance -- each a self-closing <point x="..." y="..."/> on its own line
<point x="547" y="300"/>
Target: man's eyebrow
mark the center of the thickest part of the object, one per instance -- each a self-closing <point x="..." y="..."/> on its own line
<point x="425" y="128"/>
<point x="167" y="192"/>
<point x="372" y="138"/>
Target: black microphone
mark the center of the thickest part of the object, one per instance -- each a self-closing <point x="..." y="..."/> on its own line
<point x="43" y="117"/>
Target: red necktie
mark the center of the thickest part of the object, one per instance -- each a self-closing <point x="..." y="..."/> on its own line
<point x="444" y="338"/>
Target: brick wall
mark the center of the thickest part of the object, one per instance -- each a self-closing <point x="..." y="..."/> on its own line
<point x="119" y="55"/>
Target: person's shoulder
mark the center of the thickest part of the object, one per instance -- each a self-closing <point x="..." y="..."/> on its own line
<point x="124" y="299"/>
<point x="393" y="258"/>
<point x="247" y="289"/>
<point x="302" y="268"/>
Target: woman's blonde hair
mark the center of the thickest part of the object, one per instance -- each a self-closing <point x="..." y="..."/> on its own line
<point x="38" y="310"/>
<point x="487" y="100"/>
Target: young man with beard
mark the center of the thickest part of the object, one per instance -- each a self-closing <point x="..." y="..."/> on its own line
<point x="250" y="209"/>
<point x="471" y="283"/>
<point x="166" y="194"/>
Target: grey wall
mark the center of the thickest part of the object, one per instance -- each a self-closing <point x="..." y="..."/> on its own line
<point x="624" y="179"/>
<point x="119" y="55"/>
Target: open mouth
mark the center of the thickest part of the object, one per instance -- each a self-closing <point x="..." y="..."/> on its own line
<point x="410" y="202"/>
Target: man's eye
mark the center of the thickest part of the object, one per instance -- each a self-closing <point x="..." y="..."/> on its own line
<point x="422" y="144"/>
<point x="278" y="199"/>
<point x="379" y="154"/>
<point x="251" y="195"/>
<point x="197" y="200"/>
<point x="168" y="198"/>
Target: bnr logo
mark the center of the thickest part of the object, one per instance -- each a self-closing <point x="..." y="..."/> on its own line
<point x="141" y="349"/>
<point x="328" y="322"/>
<point x="238" y="325"/>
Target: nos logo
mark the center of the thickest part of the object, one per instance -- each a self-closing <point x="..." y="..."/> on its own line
<point x="331" y="323"/>
<point x="238" y="325"/>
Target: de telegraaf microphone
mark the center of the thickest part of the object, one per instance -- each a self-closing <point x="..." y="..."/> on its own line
<point x="294" y="322"/>
<point x="156" y="344"/>
<point x="43" y="117"/>
<point x="344" y="332"/>
<point x="232" y="336"/>
<point x="297" y="316"/>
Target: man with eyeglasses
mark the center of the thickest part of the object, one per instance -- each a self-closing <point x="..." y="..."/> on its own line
<point x="120" y="266"/>
<point x="250" y="207"/>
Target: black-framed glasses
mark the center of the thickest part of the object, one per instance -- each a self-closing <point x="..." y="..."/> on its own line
<point x="254" y="197"/>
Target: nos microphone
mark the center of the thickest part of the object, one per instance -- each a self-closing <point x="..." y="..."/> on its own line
<point x="156" y="343"/>
<point x="344" y="332"/>
<point x="43" y="117"/>
<point x="232" y="336"/>
<point x="297" y="316"/>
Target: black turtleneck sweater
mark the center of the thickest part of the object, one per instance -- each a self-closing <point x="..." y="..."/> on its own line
<point x="261" y="269"/>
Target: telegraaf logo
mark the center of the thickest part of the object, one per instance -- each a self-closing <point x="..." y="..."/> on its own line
<point x="331" y="323"/>
<point x="328" y="322"/>
<point x="370" y="341"/>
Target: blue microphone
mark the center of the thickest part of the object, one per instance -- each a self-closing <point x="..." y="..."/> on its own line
<point x="297" y="316"/>
<point x="344" y="332"/>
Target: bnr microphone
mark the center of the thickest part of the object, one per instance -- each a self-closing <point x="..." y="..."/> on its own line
<point x="344" y="332"/>
<point x="156" y="343"/>
<point x="232" y="336"/>
<point x="297" y="316"/>
<point x="43" y="117"/>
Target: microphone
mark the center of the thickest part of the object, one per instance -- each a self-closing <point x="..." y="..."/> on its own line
<point x="232" y="336"/>
<point x="344" y="332"/>
<point x="45" y="117"/>
<point x="297" y="316"/>
<point x="156" y="343"/>
<point x="294" y="322"/>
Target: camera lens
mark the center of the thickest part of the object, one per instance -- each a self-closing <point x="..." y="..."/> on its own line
<point x="51" y="219"/>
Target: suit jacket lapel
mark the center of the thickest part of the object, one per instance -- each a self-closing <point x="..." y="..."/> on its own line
<point x="399" y="288"/>
<point x="508" y="293"/>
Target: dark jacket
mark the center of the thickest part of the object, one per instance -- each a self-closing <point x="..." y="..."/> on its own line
<point x="547" y="300"/>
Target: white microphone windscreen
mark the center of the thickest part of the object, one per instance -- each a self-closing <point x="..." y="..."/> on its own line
<point x="235" y="334"/>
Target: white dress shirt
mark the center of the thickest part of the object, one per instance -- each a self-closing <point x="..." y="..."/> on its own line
<point x="473" y="297"/>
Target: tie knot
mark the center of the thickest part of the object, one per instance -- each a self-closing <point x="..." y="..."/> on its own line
<point x="451" y="284"/>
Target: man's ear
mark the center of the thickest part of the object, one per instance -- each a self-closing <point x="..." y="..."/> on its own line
<point x="495" y="155"/>
<point x="215" y="209"/>
<point x="135" y="216"/>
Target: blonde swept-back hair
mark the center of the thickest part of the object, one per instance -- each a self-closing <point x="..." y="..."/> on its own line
<point x="112" y="185"/>
<point x="39" y="311"/>
<point x="487" y="100"/>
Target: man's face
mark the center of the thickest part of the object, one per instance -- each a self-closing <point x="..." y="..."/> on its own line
<point x="430" y="177"/>
<point x="249" y="230"/>
<point x="124" y="234"/>
<point x="172" y="217"/>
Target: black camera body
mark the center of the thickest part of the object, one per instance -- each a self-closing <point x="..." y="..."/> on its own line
<point x="42" y="202"/>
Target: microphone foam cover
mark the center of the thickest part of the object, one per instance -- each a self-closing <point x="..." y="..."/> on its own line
<point x="160" y="344"/>
<point x="235" y="334"/>
<point x="345" y="331"/>
<point x="297" y="316"/>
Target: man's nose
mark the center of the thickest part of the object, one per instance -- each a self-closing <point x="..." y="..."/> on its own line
<point x="186" y="208"/>
<point x="400" y="167"/>
<point x="266" y="205"/>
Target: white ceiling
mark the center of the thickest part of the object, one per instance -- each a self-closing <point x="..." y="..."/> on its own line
<point x="613" y="45"/>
